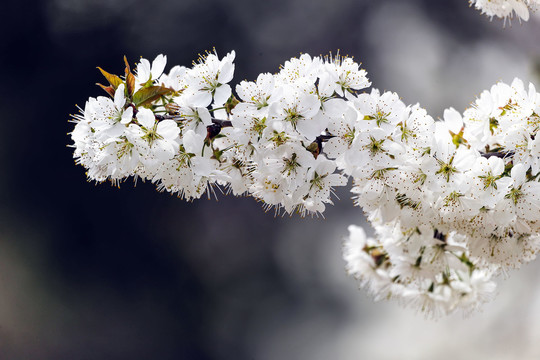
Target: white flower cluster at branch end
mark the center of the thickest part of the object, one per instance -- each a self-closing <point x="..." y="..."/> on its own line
<point x="506" y="8"/>
<point x="453" y="202"/>
<point x="459" y="207"/>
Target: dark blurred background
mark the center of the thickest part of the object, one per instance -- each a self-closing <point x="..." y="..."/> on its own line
<point x="97" y="272"/>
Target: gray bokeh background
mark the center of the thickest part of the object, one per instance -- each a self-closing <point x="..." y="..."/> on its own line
<point x="96" y="272"/>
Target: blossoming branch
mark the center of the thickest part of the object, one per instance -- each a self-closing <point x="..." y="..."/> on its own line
<point x="453" y="202"/>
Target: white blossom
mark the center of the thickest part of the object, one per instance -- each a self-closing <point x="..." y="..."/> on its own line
<point x="506" y="8"/>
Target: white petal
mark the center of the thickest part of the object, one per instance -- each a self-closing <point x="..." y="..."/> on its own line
<point x="334" y="147"/>
<point x="222" y="94"/>
<point x="324" y="166"/>
<point x="245" y="90"/>
<point x="146" y="118"/>
<point x="202" y="166"/>
<point x="158" y="65"/>
<point x="518" y="173"/>
<point x="266" y="82"/>
<point x="312" y="127"/>
<point x="205" y="116"/>
<point x="119" y="97"/>
<point x="521" y="10"/>
<point x="309" y="105"/>
<point x="339" y="111"/>
<point x="226" y="73"/>
<point x="497" y="165"/>
<point x="143" y="71"/>
<point x="327" y="85"/>
<point x="453" y="120"/>
<point x="168" y="129"/>
<point x="165" y="150"/>
<point x="200" y="99"/>
<point x="127" y="116"/>
<point x="193" y="143"/>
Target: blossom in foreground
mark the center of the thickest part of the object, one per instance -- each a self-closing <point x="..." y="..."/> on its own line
<point x="453" y="202"/>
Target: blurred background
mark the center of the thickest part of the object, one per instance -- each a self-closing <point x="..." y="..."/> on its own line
<point x="97" y="272"/>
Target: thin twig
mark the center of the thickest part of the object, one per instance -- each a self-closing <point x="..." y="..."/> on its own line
<point x="499" y="154"/>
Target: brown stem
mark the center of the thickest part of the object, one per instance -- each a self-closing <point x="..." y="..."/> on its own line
<point x="499" y="154"/>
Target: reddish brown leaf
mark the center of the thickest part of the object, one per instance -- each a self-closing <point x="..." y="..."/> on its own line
<point x="130" y="84"/>
<point x="130" y="79"/>
<point x="114" y="80"/>
<point x="127" y="65"/>
<point x="109" y="89"/>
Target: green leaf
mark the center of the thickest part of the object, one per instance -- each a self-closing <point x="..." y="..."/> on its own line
<point x="146" y="96"/>
<point x="230" y="104"/>
<point x="114" y="80"/>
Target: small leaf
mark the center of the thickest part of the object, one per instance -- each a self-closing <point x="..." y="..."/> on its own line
<point x="109" y="89"/>
<point x="315" y="147"/>
<point x="130" y="79"/>
<point x="130" y="84"/>
<point x="127" y="65"/>
<point x="114" y="80"/>
<point x="148" y="83"/>
<point x="146" y="96"/>
<point x="230" y="104"/>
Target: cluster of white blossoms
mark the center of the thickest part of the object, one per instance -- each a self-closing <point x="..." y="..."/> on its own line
<point x="453" y="202"/>
<point x="506" y="8"/>
<point x="185" y="132"/>
<point x="457" y="202"/>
